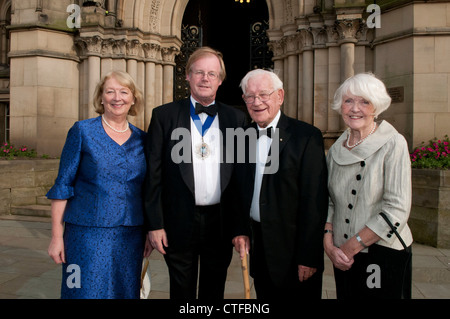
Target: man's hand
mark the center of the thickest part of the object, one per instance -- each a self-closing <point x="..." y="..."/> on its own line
<point x="242" y="245"/>
<point x="305" y="272"/>
<point x="158" y="240"/>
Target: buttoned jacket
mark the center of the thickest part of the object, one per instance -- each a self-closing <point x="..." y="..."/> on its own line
<point x="371" y="178"/>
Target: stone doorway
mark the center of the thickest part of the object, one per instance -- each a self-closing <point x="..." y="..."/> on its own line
<point x="235" y="29"/>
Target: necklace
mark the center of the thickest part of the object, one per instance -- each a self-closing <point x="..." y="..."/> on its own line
<point x="362" y="140"/>
<point x="112" y="128"/>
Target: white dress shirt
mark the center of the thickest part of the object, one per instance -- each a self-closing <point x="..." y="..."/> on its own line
<point x="262" y="150"/>
<point x="206" y="170"/>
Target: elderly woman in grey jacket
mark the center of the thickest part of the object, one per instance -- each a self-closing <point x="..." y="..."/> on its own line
<point x="369" y="173"/>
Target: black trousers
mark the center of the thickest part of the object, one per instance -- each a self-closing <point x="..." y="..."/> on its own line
<point x="381" y="273"/>
<point x="208" y="249"/>
<point x="291" y="288"/>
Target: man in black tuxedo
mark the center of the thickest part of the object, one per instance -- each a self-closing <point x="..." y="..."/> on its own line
<point x="187" y="195"/>
<point x="283" y="210"/>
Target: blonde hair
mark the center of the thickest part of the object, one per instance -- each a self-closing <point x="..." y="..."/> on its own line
<point x="202" y="52"/>
<point x="127" y="81"/>
<point x="366" y="85"/>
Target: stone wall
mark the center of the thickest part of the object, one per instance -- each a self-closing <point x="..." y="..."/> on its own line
<point x="22" y="182"/>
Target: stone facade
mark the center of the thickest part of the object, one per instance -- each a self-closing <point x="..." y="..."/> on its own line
<point x="430" y="212"/>
<point x="54" y="67"/>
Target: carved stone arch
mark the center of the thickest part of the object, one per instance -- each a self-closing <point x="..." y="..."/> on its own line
<point x="127" y="8"/>
<point x="176" y="16"/>
<point x="4" y="9"/>
<point x="155" y="16"/>
<point x="276" y="13"/>
<point x="140" y="11"/>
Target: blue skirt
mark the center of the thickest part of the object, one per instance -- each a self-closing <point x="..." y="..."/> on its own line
<point x="102" y="262"/>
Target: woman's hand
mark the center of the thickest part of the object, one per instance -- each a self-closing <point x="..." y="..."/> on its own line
<point x="339" y="258"/>
<point x="56" y="250"/>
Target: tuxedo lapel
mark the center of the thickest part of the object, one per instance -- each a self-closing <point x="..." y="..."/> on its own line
<point x="283" y="132"/>
<point x="282" y="135"/>
<point x="186" y="168"/>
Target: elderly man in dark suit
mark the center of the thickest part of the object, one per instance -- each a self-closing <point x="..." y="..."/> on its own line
<point x="284" y="210"/>
<point x="187" y="195"/>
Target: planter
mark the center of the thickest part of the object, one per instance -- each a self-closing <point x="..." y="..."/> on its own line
<point x="23" y="182"/>
<point x="430" y="211"/>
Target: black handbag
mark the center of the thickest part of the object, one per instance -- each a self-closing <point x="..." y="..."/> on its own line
<point x="395" y="267"/>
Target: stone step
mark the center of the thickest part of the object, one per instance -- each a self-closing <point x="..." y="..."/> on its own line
<point x="32" y="210"/>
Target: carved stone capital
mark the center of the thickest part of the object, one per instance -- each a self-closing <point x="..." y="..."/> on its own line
<point x="151" y="50"/>
<point x="276" y="47"/>
<point x="169" y="54"/>
<point x="306" y="38"/>
<point x="90" y="45"/>
<point x="133" y="48"/>
<point x="348" y="29"/>
<point x="292" y="43"/>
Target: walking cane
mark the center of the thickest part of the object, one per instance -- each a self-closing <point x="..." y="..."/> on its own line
<point x="244" y="265"/>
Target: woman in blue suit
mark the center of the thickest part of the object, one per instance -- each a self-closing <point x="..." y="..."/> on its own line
<point x="97" y="212"/>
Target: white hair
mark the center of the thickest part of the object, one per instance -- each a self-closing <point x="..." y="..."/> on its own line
<point x="276" y="82"/>
<point x="366" y="85"/>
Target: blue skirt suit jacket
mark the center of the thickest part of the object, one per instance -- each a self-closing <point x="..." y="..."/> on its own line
<point x="101" y="179"/>
<point x="102" y="183"/>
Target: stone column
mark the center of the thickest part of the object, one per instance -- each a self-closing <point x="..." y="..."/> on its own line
<point x="347" y="60"/>
<point x="308" y="86"/>
<point x="168" y="55"/>
<point x="93" y="79"/>
<point x="278" y="64"/>
<point x="150" y="51"/>
<point x="292" y="76"/>
<point x="140" y="118"/>
<point x="94" y="46"/>
<point x="158" y="84"/>
<point x="308" y="76"/>
<point x="347" y="30"/>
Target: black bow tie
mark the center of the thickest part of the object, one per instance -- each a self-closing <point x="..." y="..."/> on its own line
<point x="267" y="132"/>
<point x="210" y="110"/>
